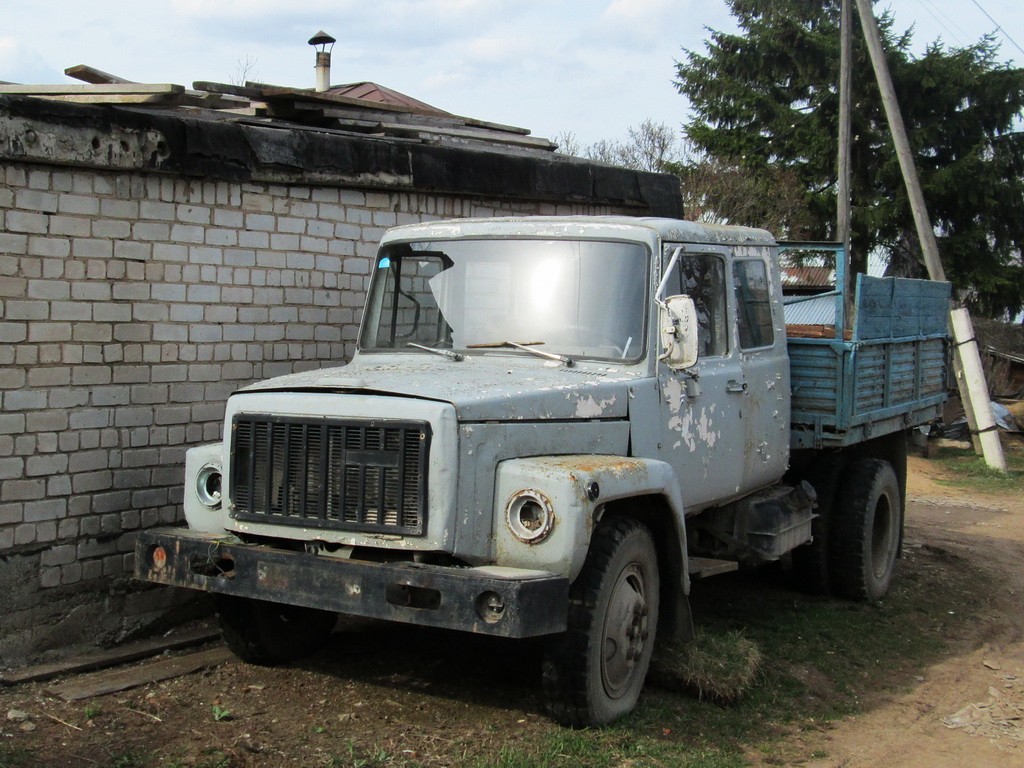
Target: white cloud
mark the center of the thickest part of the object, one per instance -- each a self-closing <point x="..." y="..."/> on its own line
<point x="251" y="9"/>
<point x="19" y="63"/>
<point x="498" y="49"/>
<point x="8" y="52"/>
<point x="445" y="80"/>
<point x="638" y="10"/>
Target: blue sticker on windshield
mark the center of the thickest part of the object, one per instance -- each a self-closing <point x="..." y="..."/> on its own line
<point x="384" y="263"/>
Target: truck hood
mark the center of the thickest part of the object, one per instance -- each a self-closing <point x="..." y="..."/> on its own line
<point x="482" y="388"/>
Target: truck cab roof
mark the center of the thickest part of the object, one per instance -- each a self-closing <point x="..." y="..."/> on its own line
<point x="589" y="227"/>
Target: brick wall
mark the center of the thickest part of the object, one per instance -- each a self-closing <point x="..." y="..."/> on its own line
<point x="131" y="306"/>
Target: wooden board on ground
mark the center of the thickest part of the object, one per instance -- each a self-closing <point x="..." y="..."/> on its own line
<point x="111" y="681"/>
<point x="111" y="656"/>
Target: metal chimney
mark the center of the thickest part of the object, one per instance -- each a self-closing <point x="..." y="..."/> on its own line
<point x="323" y="43"/>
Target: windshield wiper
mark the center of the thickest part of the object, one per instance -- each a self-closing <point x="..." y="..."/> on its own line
<point x="526" y="346"/>
<point x="444" y="352"/>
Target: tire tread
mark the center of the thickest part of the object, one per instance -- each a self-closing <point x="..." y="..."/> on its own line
<point x="851" y="555"/>
<point x="565" y="674"/>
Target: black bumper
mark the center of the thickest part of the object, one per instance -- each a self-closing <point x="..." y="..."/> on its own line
<point x="510" y="603"/>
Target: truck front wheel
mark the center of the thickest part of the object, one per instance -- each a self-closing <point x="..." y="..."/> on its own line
<point x="594" y="672"/>
<point x="866" y="530"/>
<point x="265" y="633"/>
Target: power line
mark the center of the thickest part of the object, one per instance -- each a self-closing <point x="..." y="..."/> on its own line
<point x="998" y="26"/>
<point x="935" y="11"/>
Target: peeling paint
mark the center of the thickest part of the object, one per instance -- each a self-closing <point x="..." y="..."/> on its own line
<point x="589" y="408"/>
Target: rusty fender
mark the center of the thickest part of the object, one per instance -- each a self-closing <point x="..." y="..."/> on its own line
<point x="574" y="489"/>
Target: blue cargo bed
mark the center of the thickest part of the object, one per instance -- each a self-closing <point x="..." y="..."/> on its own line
<point x="889" y="374"/>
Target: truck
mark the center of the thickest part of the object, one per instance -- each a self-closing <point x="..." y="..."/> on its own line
<point x="550" y="428"/>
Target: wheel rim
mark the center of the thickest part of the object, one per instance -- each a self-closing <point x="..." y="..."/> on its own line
<point x="882" y="538"/>
<point x="625" y="631"/>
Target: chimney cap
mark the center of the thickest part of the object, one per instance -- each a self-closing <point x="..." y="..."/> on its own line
<point x="321" y="38"/>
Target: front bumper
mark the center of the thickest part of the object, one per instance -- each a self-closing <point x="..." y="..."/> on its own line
<point x="506" y="602"/>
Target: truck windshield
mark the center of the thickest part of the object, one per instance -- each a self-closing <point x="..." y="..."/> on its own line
<point x="573" y="298"/>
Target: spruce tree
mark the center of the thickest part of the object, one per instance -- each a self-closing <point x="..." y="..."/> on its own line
<point x="766" y="98"/>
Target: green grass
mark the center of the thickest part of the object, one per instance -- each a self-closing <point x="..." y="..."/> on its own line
<point x="12" y="755"/>
<point x="218" y="760"/>
<point x="821" y="659"/>
<point x="133" y="758"/>
<point x="376" y="757"/>
<point x="967" y="470"/>
<point x="719" y="667"/>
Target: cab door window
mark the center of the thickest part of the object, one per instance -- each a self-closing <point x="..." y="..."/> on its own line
<point x="701" y="276"/>
<point x="753" y="304"/>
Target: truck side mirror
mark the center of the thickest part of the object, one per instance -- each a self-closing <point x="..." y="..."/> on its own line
<point x="678" y="332"/>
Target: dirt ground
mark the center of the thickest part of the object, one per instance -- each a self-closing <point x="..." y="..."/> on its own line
<point x="967" y="710"/>
<point x="437" y="698"/>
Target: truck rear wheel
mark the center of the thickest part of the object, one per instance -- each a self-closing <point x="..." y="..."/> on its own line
<point x="265" y="633"/>
<point x="594" y="672"/>
<point x="866" y="530"/>
<point x="812" y="562"/>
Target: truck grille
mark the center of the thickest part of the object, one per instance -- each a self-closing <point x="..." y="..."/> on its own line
<point x="350" y="475"/>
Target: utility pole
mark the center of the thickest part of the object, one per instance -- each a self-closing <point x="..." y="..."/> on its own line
<point x="843" y="213"/>
<point x="967" y="360"/>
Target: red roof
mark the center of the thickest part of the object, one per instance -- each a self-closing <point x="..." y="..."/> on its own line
<point x="382" y="95"/>
<point x="808" y="277"/>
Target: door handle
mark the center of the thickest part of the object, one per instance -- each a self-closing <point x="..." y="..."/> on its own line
<point x="736" y="386"/>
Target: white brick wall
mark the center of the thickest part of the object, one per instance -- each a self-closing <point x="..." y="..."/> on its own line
<point x="131" y="306"/>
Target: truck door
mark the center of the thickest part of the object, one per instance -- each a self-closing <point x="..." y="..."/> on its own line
<point x="761" y="343"/>
<point x="702" y="426"/>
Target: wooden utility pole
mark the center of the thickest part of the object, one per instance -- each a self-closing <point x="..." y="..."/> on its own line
<point x="843" y="212"/>
<point x="967" y="360"/>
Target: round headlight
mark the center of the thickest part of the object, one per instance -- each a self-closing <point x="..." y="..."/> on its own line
<point x="208" y="486"/>
<point x="529" y="516"/>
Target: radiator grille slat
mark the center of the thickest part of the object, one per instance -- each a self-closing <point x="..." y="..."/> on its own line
<point x="339" y="474"/>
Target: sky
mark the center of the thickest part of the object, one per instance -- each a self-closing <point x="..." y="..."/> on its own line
<point x="589" y="68"/>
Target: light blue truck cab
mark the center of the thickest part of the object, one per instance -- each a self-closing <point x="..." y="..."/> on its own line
<point x="549" y="427"/>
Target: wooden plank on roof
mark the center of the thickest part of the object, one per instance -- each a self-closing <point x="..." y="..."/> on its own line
<point x="356" y="108"/>
<point x="471" y="121"/>
<point x="217" y="100"/>
<point x="281" y="126"/>
<point x="495" y="137"/>
<point x="363" y="112"/>
<point x="114" y="89"/>
<point x="274" y="93"/>
<point x="358" y="125"/>
<point x="92" y="75"/>
<point x="155" y="99"/>
<point x="229" y="90"/>
<point x="252" y="111"/>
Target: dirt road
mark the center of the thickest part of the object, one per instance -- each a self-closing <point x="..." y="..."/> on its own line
<point x="969" y="709"/>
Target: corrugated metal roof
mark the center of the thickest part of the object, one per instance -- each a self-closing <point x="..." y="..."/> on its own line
<point x="816" y="311"/>
<point x="381" y="94"/>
